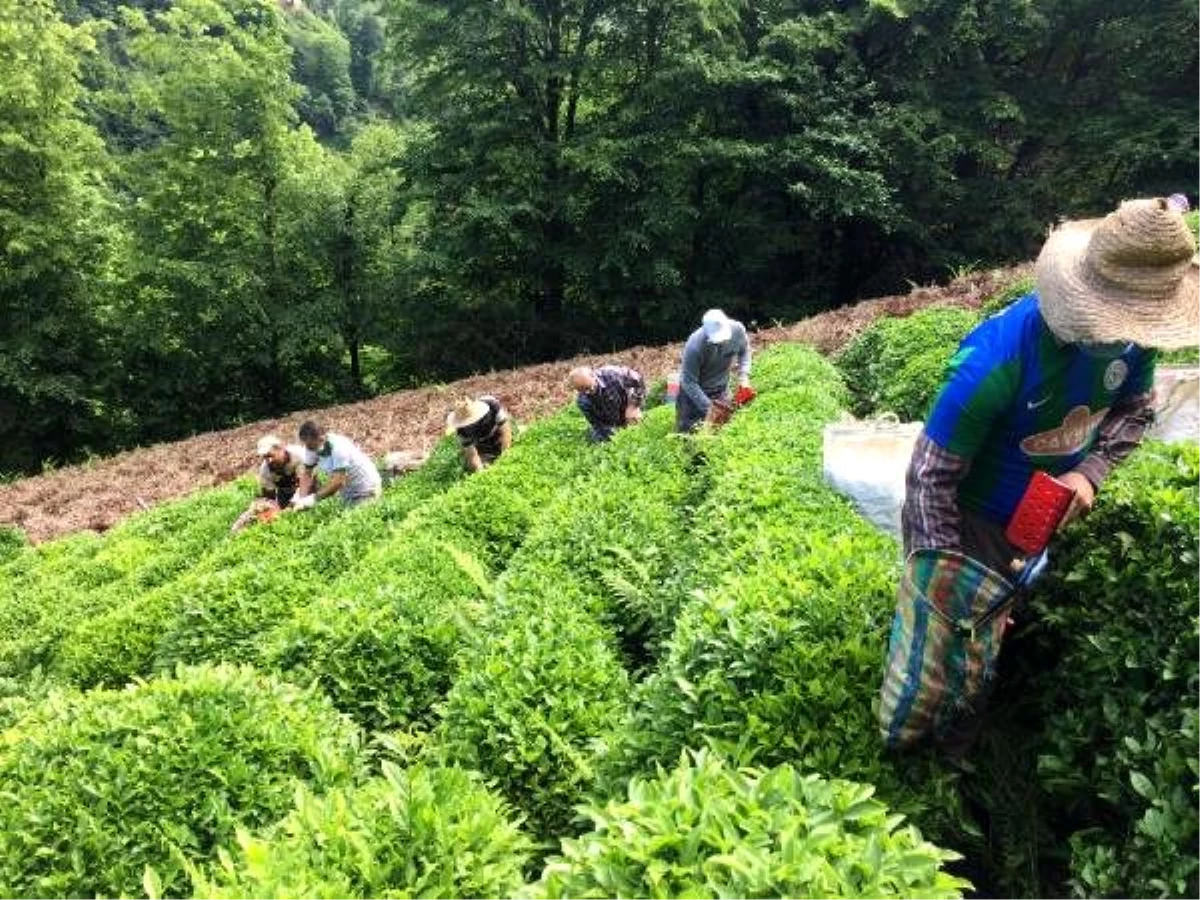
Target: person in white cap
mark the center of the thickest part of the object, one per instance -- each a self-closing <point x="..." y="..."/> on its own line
<point x="483" y="428"/>
<point x="347" y="469"/>
<point x="281" y="471"/>
<point x="712" y="350"/>
<point x="1060" y="381"/>
<point x="282" y="477"/>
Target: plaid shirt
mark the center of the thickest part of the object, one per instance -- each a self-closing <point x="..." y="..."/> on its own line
<point x="617" y="387"/>
<point x="931" y="515"/>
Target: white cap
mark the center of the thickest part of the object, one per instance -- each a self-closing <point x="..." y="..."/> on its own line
<point x="717" y="326"/>
<point x="267" y="444"/>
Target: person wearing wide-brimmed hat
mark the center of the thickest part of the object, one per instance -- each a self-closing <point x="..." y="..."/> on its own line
<point x="1060" y="381"/>
<point x="711" y="352"/>
<point x="483" y="428"/>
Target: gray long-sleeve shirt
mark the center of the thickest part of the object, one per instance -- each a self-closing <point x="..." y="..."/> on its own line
<point x="705" y="371"/>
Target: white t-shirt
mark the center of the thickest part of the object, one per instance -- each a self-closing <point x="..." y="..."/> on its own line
<point x="362" y="478"/>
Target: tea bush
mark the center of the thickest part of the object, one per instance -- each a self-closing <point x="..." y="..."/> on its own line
<point x="382" y="641"/>
<point x="706" y="829"/>
<point x="99" y="786"/>
<point x="777" y="657"/>
<point x="897" y="365"/>
<point x="1120" y="614"/>
<point x="621" y="549"/>
<point x="1007" y="296"/>
<point x="417" y="832"/>
<point x="538" y="685"/>
<point x="215" y="610"/>
<point x="619" y="540"/>
<point x="12" y="542"/>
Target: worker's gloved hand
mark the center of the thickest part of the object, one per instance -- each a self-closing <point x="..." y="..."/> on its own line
<point x="308" y="501"/>
<point x="719" y="412"/>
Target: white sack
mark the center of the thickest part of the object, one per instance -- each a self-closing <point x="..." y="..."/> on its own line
<point x="1176" y="404"/>
<point x="866" y="461"/>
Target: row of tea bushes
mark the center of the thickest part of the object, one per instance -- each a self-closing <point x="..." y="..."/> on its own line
<point x="48" y="589"/>
<point x="214" y="610"/>
<point x="542" y="677"/>
<point x="778" y="657"/>
<point x="1119" y="615"/>
<point x="708" y="829"/>
<point x="99" y="786"/>
<point x="424" y="831"/>
<point x="382" y="640"/>
<point x="599" y="582"/>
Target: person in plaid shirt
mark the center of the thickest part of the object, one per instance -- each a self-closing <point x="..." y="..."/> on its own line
<point x="609" y="397"/>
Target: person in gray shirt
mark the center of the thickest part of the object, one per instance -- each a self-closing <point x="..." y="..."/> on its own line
<point x="347" y="469"/>
<point x="708" y="356"/>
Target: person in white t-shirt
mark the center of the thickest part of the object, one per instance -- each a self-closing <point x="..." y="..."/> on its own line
<point x="347" y="469"/>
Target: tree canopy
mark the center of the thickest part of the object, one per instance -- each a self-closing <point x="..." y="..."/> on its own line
<point x="213" y="210"/>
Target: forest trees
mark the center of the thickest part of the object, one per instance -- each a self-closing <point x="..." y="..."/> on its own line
<point x="56" y="244"/>
<point x="215" y="210"/>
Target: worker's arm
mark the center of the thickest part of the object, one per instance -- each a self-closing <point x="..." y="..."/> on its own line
<point x="266" y="484"/>
<point x="304" y="481"/>
<point x="635" y="394"/>
<point x="336" y="482"/>
<point x="505" y="435"/>
<point x="930" y="518"/>
<point x="744" y="354"/>
<point x="472" y="461"/>
<point x="1119" y="435"/>
<point x="689" y="373"/>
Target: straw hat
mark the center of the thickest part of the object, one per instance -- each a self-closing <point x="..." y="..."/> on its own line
<point x="267" y="444"/>
<point x="1131" y="276"/>
<point x="468" y="412"/>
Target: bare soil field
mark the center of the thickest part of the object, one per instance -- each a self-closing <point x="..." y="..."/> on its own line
<point x="101" y="493"/>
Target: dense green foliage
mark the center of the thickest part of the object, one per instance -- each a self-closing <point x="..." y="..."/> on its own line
<point x="561" y="628"/>
<point x="896" y="365"/>
<point x="382" y="641"/>
<point x="1119" y="748"/>
<point x="788" y="578"/>
<point x="100" y="786"/>
<point x="706" y="829"/>
<point x="417" y="832"/>
<point x="219" y="209"/>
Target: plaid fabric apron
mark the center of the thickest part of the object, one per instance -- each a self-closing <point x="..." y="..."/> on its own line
<point x="946" y="635"/>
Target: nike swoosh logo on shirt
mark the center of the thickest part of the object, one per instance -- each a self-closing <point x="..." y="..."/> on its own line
<point x="1034" y="404"/>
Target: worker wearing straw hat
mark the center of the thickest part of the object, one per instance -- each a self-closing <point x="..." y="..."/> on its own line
<point x="483" y="429"/>
<point x="1060" y="383"/>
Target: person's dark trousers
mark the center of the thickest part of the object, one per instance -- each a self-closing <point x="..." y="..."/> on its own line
<point x="687" y="415"/>
<point x="600" y="432"/>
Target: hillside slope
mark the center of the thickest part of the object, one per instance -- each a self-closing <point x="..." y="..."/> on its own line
<point x="98" y="494"/>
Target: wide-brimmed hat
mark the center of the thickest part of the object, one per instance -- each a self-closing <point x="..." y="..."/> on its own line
<point x="717" y="326"/>
<point x="468" y="412"/>
<point x="268" y="443"/>
<point x="1131" y="276"/>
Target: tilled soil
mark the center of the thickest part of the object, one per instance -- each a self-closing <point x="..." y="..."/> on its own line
<point x="99" y="494"/>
